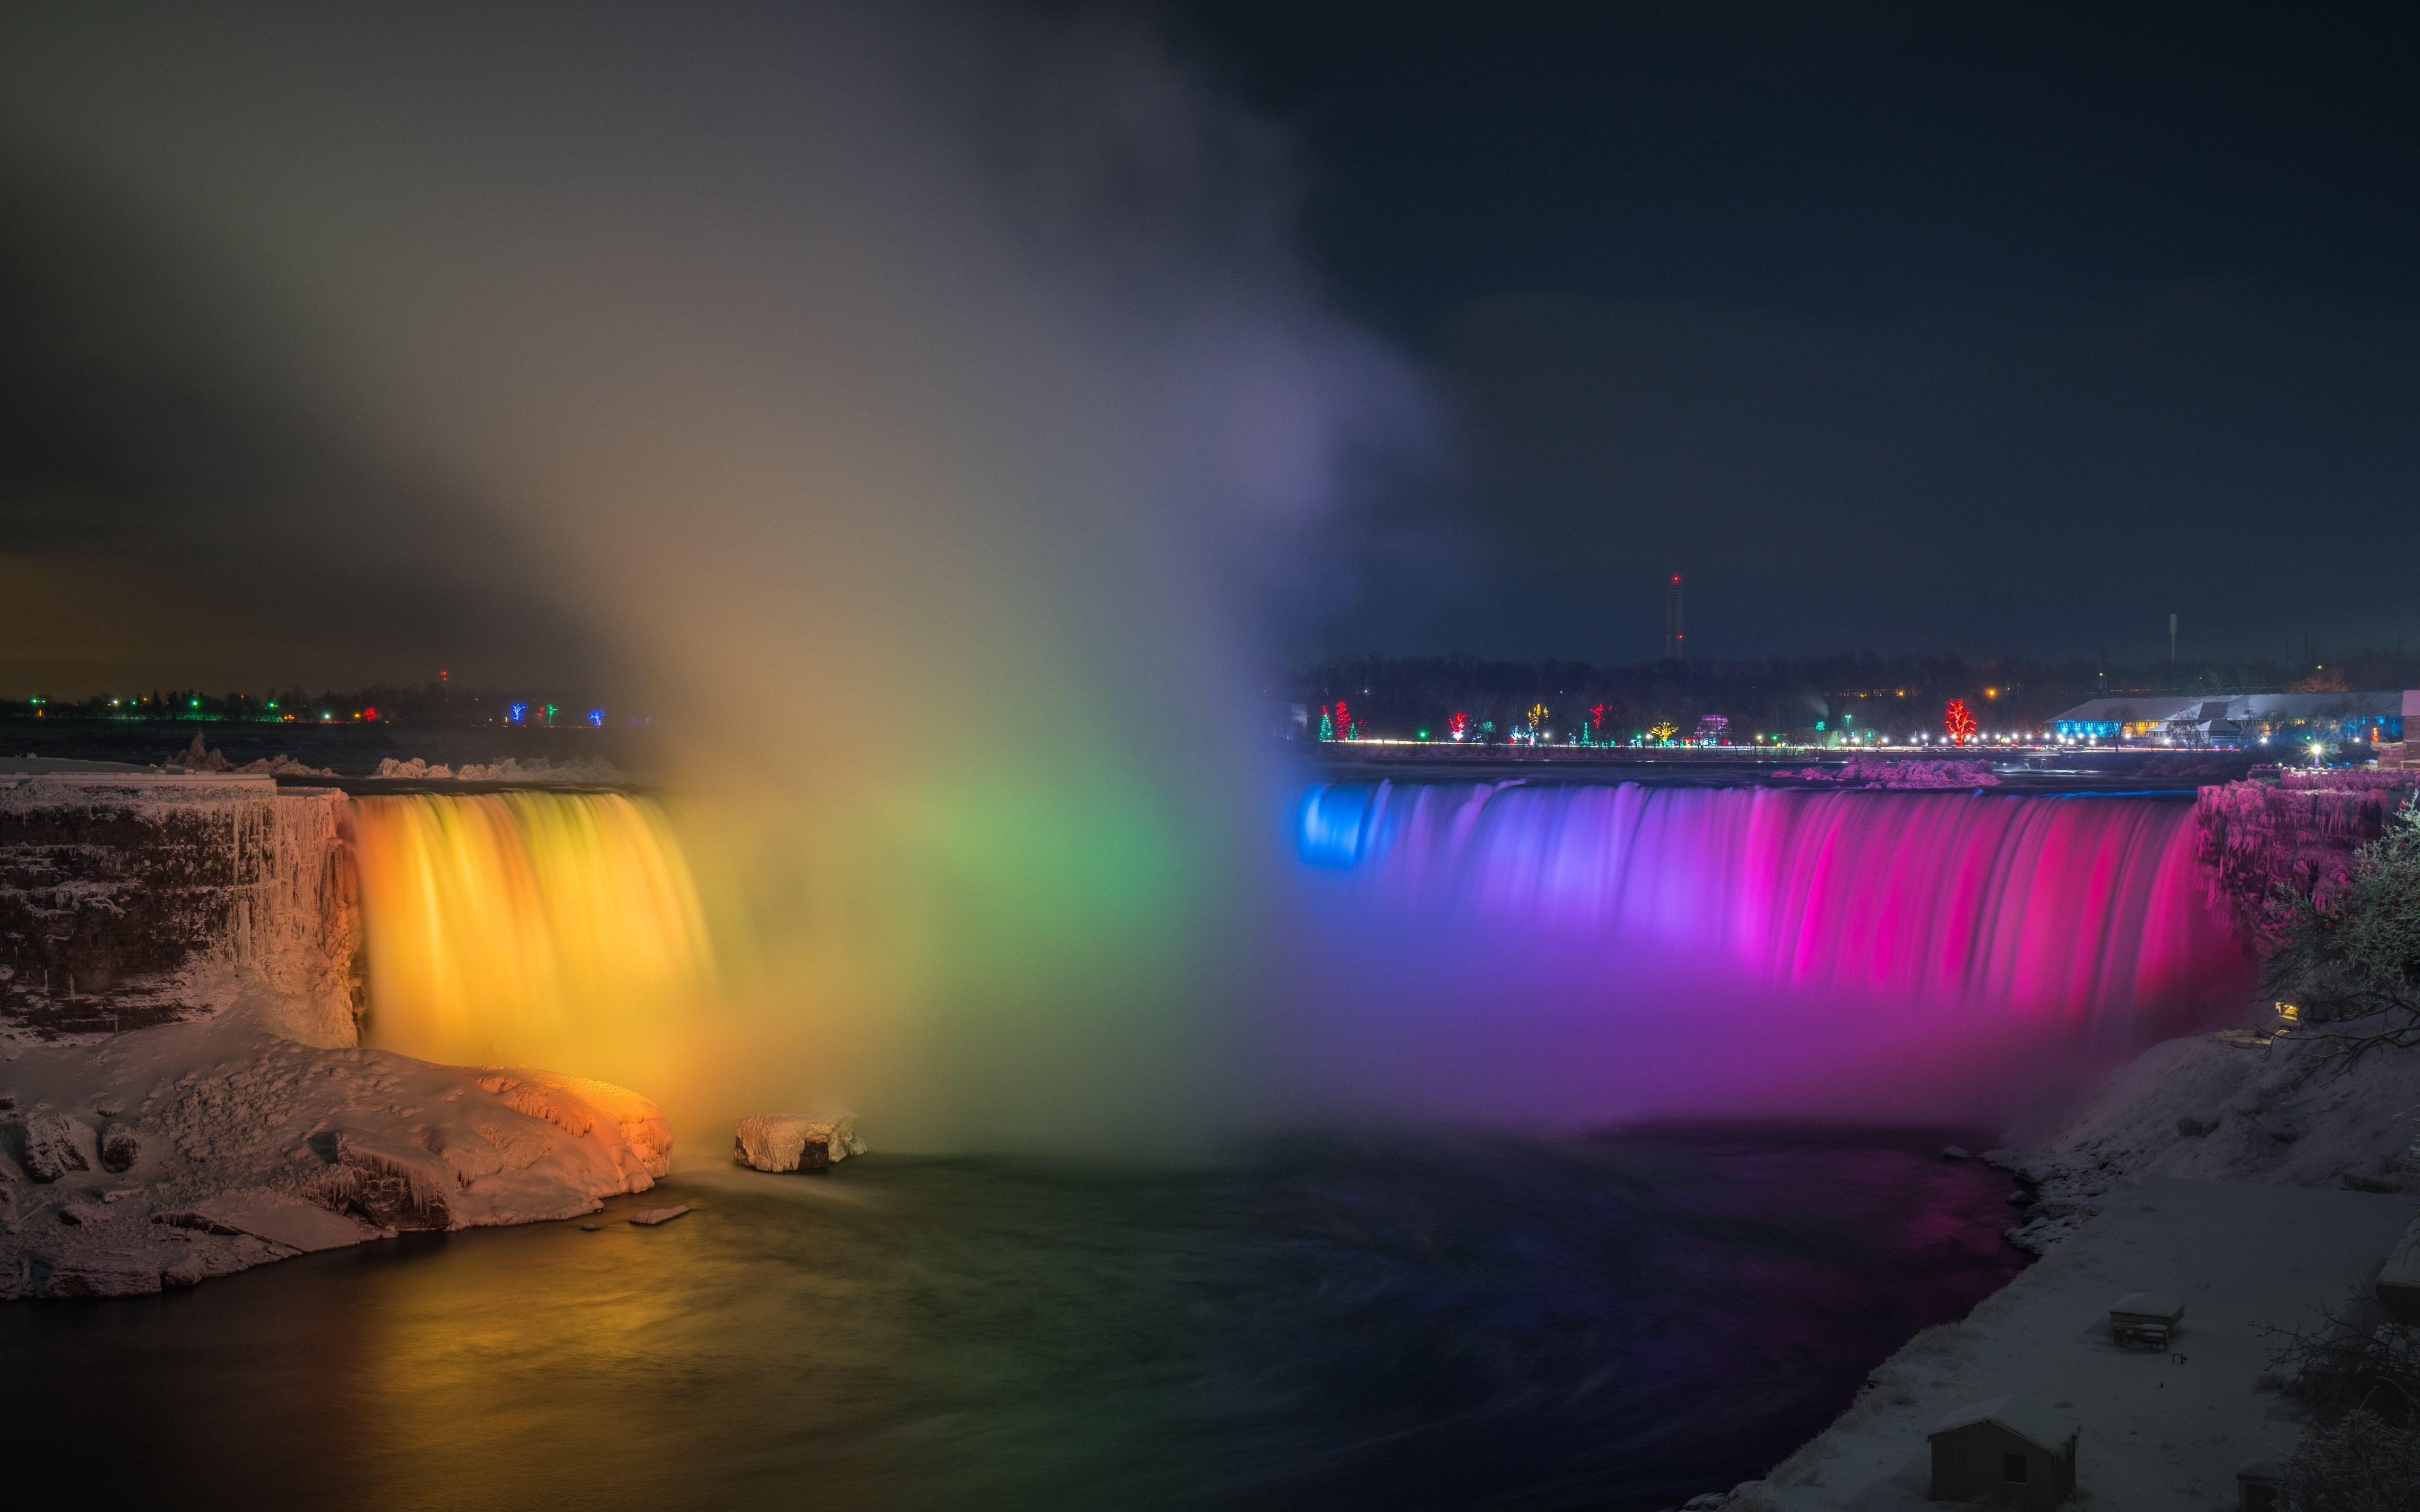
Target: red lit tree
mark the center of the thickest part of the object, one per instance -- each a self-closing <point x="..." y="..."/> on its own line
<point x="1961" y="721"/>
<point x="1458" y="726"/>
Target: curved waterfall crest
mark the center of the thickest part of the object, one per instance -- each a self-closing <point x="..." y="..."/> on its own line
<point x="2088" y="909"/>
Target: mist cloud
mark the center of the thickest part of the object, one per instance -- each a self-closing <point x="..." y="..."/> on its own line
<point x="906" y="402"/>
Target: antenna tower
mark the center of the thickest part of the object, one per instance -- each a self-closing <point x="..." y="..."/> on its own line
<point x="1675" y="640"/>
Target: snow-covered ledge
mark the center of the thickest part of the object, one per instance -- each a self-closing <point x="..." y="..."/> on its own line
<point x="166" y="1156"/>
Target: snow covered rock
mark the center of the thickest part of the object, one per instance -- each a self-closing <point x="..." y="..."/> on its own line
<point x="198" y="757"/>
<point x="277" y="1219"/>
<point x="255" y="1147"/>
<point x="789" y="1142"/>
<point x="119" y="1148"/>
<point x="397" y="1186"/>
<point x="2205" y="1108"/>
<point x="650" y="1217"/>
<point x="90" y="1275"/>
<point x="578" y="1106"/>
<point x="49" y="1146"/>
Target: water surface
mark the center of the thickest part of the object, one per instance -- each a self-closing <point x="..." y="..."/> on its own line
<point x="1331" y="1321"/>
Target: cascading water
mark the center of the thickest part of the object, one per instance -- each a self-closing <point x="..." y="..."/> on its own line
<point x="1518" y="950"/>
<point x="1606" y="946"/>
<point x="504" y="926"/>
<point x="2076" y="909"/>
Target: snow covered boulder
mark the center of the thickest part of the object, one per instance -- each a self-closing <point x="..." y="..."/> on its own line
<point x="402" y="1186"/>
<point x="91" y="1275"/>
<point x="789" y="1142"/>
<point x="577" y="1105"/>
<point x="119" y="1148"/>
<point x="48" y="1150"/>
<point x="274" y="1218"/>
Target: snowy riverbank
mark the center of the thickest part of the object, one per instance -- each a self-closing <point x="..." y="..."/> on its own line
<point x="166" y="1156"/>
<point x="2234" y="1174"/>
<point x="2224" y="1107"/>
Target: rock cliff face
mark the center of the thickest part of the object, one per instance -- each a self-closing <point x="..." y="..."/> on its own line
<point x="124" y="896"/>
<point x="183" y="1092"/>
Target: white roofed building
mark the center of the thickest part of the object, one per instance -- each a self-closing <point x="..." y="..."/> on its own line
<point x="2243" y="719"/>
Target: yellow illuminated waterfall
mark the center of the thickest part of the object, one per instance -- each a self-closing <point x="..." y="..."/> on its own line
<point x="509" y="926"/>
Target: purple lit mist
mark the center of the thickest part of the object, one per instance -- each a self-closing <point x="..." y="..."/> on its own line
<point x="1626" y="949"/>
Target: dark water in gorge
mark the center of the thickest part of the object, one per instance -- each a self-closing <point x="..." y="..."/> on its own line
<point x="1333" y="1322"/>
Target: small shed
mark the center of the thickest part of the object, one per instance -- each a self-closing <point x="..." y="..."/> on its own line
<point x="2399" y="1283"/>
<point x="2005" y="1453"/>
<point x="2259" y="1487"/>
<point x="2146" y="1319"/>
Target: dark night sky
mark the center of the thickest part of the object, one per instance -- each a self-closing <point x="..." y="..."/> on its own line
<point x="1997" y="329"/>
<point x="1913" y="327"/>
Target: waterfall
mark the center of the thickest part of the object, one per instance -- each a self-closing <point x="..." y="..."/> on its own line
<point x="497" y="924"/>
<point x="2086" y="912"/>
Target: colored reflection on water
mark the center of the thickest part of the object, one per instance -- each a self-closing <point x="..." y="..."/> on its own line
<point x="1330" y="1322"/>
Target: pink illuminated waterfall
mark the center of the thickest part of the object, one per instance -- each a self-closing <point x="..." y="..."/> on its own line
<point x="2048" y="910"/>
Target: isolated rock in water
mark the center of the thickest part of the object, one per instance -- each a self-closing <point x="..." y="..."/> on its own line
<point x="399" y="1185"/>
<point x="790" y="1142"/>
<point x="119" y="1147"/>
<point x="50" y="1150"/>
<point x="649" y="1217"/>
<point x="1956" y="1152"/>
